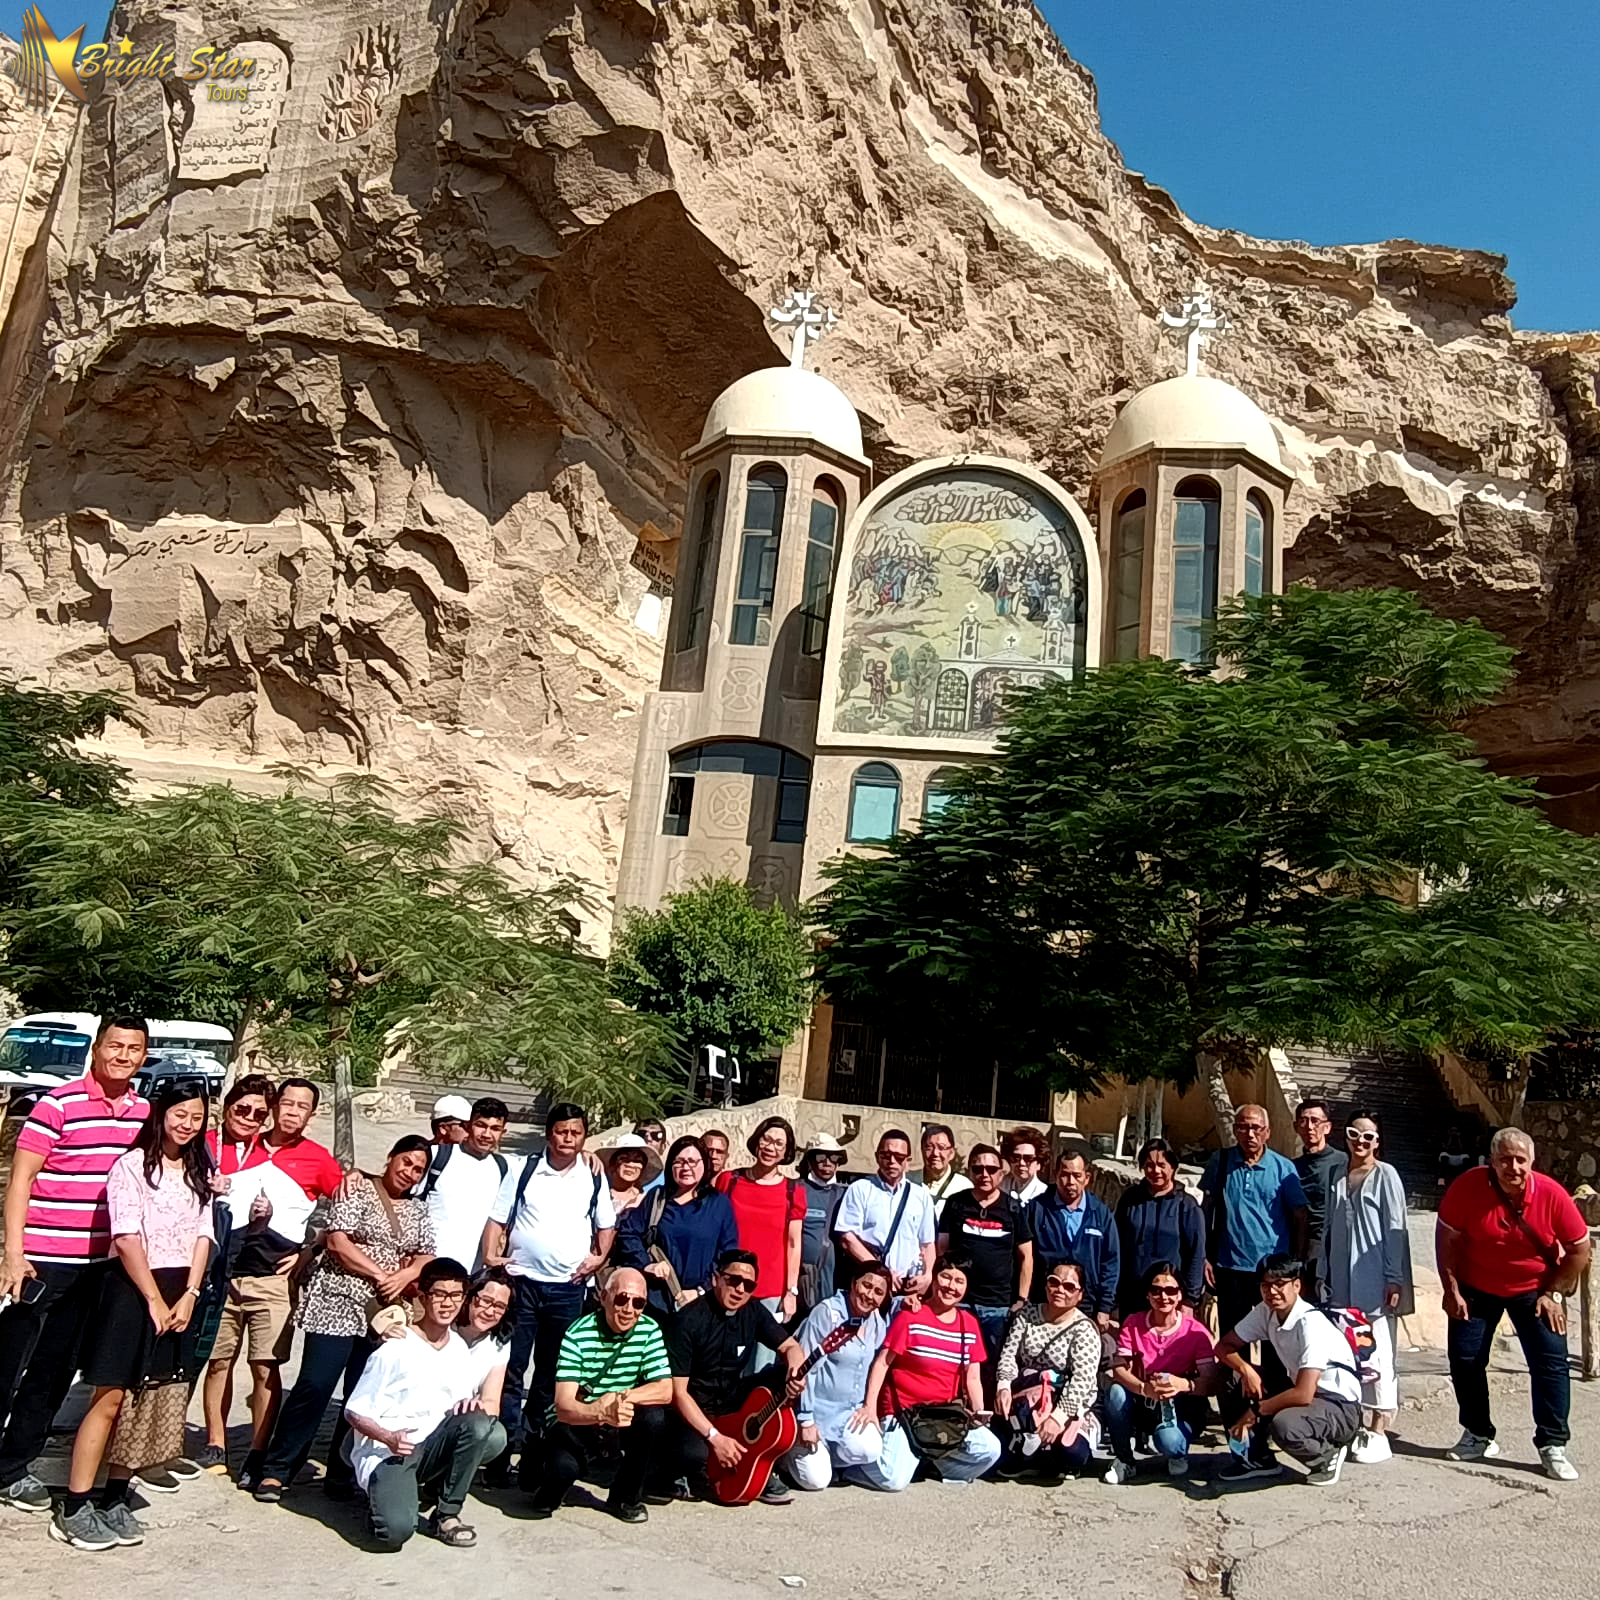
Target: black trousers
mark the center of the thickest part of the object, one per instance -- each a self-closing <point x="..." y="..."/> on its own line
<point x="568" y="1451"/>
<point x="324" y="1358"/>
<point x="40" y="1346"/>
<point x="1239" y="1293"/>
<point x="1310" y="1433"/>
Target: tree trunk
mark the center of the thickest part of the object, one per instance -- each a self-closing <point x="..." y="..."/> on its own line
<point x="244" y="1042"/>
<point x="344" y="1127"/>
<point x="1221" y="1100"/>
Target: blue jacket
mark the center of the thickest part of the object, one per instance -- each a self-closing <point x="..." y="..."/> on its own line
<point x="691" y="1237"/>
<point x="1096" y="1250"/>
<point x="1171" y="1228"/>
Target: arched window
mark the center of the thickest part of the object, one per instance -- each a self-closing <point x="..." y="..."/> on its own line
<point x="1127" y="577"/>
<point x="705" y="539"/>
<point x="821" y="538"/>
<point x="758" y="556"/>
<point x="938" y="795"/>
<point x="874" y="803"/>
<point x="790" y="772"/>
<point x="1257" y="530"/>
<point x="1196" y="522"/>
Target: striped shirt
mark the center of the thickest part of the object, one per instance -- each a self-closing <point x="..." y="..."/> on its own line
<point x="80" y="1134"/>
<point x="928" y="1357"/>
<point x="602" y="1362"/>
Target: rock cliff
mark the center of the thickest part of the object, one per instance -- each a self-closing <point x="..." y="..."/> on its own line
<point x="330" y="421"/>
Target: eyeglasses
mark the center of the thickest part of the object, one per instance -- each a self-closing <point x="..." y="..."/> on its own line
<point x="1269" y="1285"/>
<point x="1025" y="1160"/>
<point x="630" y="1302"/>
<point x="1064" y="1283"/>
<point x="655" y="1138"/>
<point x="1165" y="1290"/>
<point x="249" y="1113"/>
<point x="743" y="1284"/>
<point x="1249" y="1127"/>
<point x="984" y="1166"/>
<point x="899" y="1157"/>
<point x="1359" y="1136"/>
<point x="447" y="1294"/>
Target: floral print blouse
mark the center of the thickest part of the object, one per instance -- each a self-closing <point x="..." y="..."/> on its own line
<point x="335" y="1300"/>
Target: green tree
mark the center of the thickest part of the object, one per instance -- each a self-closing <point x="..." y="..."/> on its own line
<point x="722" y="969"/>
<point x="852" y="663"/>
<point x="1162" y="863"/>
<point x="337" y="929"/>
<point x="900" y="665"/>
<point x="923" y="675"/>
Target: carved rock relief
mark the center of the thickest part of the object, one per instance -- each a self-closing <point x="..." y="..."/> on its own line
<point x="366" y="73"/>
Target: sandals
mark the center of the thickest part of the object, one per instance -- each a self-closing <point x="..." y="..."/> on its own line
<point x="451" y="1531"/>
<point x="268" y="1493"/>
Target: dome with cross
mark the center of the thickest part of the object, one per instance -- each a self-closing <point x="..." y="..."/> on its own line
<point x="1192" y="411"/>
<point x="785" y="403"/>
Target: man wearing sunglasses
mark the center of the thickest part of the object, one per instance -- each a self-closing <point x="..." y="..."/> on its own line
<point x="708" y="1343"/>
<point x="613" y="1373"/>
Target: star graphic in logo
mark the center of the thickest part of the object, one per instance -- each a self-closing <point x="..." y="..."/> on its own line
<point x="125" y="48"/>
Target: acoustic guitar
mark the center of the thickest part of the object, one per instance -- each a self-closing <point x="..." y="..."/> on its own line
<point x="764" y="1424"/>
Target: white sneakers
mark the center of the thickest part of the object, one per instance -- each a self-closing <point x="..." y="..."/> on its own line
<point x="1556" y="1464"/>
<point x="1370" y="1448"/>
<point x="1119" y="1472"/>
<point x="1472" y="1447"/>
<point x="1328" y="1473"/>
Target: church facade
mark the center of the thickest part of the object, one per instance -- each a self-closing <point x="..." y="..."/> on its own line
<point x="837" y="648"/>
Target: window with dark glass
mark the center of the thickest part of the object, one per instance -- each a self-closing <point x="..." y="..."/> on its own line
<point x="817" y="582"/>
<point x="1127" y="576"/>
<point x="705" y="540"/>
<point x="1257" y="523"/>
<point x="794" y="795"/>
<point x="790" y="772"/>
<point x="874" y="803"/>
<point x="758" y="556"/>
<point x="1197" y="520"/>
<point x="680" y="802"/>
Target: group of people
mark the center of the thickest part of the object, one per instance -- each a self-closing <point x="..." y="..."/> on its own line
<point x="610" y="1312"/>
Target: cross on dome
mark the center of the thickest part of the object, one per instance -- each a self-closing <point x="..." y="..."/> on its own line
<point x="809" y="321"/>
<point x="1197" y="318"/>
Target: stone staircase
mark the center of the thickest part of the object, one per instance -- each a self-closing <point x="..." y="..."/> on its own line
<point x="1403" y="1092"/>
<point x="402" y="1083"/>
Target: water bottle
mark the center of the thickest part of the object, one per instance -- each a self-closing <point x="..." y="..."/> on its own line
<point x="1168" y="1413"/>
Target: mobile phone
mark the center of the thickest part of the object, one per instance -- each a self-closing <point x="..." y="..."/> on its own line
<point x="31" y="1290"/>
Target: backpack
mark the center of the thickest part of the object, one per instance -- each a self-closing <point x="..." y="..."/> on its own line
<point x="441" y="1157"/>
<point x="1356" y="1327"/>
<point x="522" y="1189"/>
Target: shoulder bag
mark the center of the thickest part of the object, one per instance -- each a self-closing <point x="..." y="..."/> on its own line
<point x="936" y="1429"/>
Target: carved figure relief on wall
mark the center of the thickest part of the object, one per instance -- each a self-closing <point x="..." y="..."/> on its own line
<point x="368" y="70"/>
<point x="968" y="581"/>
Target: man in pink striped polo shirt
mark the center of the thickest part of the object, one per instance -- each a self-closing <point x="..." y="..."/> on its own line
<point x="58" y="1234"/>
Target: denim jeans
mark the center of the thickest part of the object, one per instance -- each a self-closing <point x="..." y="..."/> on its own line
<point x="1471" y="1343"/>
<point x="441" y="1468"/>
<point x="323" y="1359"/>
<point x="543" y="1312"/>
<point x="1126" y="1412"/>
<point x="896" y="1467"/>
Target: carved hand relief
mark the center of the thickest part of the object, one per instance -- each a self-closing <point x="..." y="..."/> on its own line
<point x="368" y="70"/>
<point x="967" y="583"/>
<point x="231" y="130"/>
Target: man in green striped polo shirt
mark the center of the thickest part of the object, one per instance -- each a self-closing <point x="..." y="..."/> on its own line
<point x="613" y="1372"/>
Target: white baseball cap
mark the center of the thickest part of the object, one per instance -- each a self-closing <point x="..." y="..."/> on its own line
<point x="452" y="1105"/>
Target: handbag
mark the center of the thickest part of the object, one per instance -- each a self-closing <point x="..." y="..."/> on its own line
<point x="375" y="1302"/>
<point x="936" y="1429"/>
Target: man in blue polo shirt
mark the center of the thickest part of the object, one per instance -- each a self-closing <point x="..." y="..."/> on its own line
<point x="1255" y="1207"/>
<point x="1070" y="1224"/>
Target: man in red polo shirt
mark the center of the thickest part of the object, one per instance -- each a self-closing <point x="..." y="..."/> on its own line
<point x="1512" y="1243"/>
<point x="58" y="1234"/>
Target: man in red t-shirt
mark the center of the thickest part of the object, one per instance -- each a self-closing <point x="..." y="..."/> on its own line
<point x="1511" y="1242"/>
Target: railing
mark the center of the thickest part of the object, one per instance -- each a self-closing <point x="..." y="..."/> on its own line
<point x="1589" y="1311"/>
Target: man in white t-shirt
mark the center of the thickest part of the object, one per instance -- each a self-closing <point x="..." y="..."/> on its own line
<point x="1319" y="1413"/>
<point x="551" y="1227"/>
<point x="463" y="1180"/>
<point x="417" y="1427"/>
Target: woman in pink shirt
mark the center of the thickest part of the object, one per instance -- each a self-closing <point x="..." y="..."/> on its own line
<point x="1161" y="1372"/>
<point x="159" y="1195"/>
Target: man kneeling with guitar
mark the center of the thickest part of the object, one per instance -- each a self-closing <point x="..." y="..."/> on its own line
<point x="709" y="1343"/>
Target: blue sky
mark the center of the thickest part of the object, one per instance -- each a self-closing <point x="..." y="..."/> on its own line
<point x="1460" y="122"/>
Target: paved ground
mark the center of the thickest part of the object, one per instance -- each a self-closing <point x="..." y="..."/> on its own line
<point x="1414" y="1529"/>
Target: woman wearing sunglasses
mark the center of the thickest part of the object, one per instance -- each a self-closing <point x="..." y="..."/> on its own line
<point x="1369" y="1267"/>
<point x="1163" y="1368"/>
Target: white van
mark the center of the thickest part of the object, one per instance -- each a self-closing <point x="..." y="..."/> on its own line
<point x="47" y="1048"/>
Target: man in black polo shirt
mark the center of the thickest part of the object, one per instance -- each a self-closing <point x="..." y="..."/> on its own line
<point x="709" y="1344"/>
<point x="992" y="1228"/>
